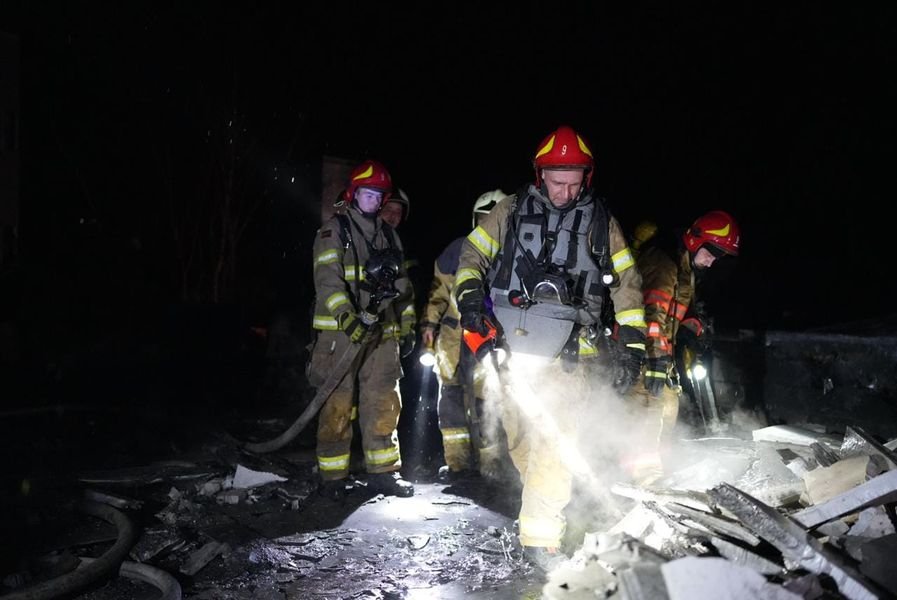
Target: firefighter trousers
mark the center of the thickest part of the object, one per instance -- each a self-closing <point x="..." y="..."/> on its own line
<point x="374" y="375"/>
<point x="540" y="414"/>
<point x="656" y="418"/>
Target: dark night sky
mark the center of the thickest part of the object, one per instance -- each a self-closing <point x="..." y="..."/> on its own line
<point x="783" y="115"/>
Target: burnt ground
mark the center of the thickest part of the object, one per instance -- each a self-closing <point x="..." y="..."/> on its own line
<point x="165" y="443"/>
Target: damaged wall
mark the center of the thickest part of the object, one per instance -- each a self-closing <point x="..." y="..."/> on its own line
<point x="831" y="379"/>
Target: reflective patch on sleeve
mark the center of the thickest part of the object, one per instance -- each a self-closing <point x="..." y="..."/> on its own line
<point x="634" y="317"/>
<point x="466" y="275"/>
<point x="622" y="260"/>
<point x="483" y="242"/>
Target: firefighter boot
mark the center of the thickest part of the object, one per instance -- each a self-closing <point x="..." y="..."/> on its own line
<point x="334" y="490"/>
<point x="447" y="475"/>
<point x="390" y="484"/>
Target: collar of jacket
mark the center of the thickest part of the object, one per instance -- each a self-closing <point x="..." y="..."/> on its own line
<point x="585" y="197"/>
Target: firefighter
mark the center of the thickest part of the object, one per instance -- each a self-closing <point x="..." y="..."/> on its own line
<point x="547" y="255"/>
<point x="357" y="255"/>
<point x="395" y="211"/>
<point x="465" y="444"/>
<point x="668" y="264"/>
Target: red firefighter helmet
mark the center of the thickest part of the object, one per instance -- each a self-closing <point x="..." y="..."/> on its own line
<point x="564" y="149"/>
<point x="716" y="228"/>
<point x="369" y="174"/>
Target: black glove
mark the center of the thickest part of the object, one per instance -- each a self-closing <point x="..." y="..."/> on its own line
<point x="356" y="327"/>
<point x="470" y="305"/>
<point x="687" y="338"/>
<point x="406" y="347"/>
<point x="656" y="374"/>
<point x="630" y="358"/>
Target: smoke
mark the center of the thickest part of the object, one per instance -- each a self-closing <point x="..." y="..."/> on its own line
<point x="606" y="438"/>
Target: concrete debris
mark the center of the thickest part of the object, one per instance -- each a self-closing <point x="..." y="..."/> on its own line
<point x="574" y="581"/>
<point x="825" y="483"/>
<point x="789" y="434"/>
<point x="697" y="500"/>
<point x="199" y="559"/>
<point x="746" y="558"/>
<point x="690" y="578"/>
<point x="712" y="523"/>
<point x="210" y="488"/>
<point x="877" y="491"/>
<point x="643" y="582"/>
<point x="156" y="543"/>
<point x="872" y="523"/>
<point x="247" y="478"/>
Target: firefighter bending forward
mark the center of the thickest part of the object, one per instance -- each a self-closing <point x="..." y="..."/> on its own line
<point x="668" y="265"/>
<point x="348" y="248"/>
<point x="546" y="255"/>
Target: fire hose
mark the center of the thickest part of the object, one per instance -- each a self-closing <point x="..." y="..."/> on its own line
<point x="337" y="373"/>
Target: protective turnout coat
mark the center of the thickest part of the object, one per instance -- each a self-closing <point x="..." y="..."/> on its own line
<point x="526" y="244"/>
<point x="342" y="247"/>
<point x="505" y="248"/>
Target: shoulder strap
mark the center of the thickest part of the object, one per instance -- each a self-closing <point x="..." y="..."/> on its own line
<point x="345" y="236"/>
<point x="503" y="276"/>
<point x="599" y="235"/>
<point x="345" y="232"/>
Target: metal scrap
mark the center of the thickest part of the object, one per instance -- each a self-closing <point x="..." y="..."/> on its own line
<point x="792" y="541"/>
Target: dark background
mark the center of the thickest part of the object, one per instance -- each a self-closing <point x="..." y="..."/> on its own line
<point x="143" y="123"/>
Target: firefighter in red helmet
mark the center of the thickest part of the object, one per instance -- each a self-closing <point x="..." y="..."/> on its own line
<point x="543" y="259"/>
<point x="356" y="258"/>
<point x="669" y="264"/>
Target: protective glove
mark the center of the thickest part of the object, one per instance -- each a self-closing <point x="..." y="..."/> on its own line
<point x="356" y="326"/>
<point x="630" y="358"/>
<point x="406" y="346"/>
<point x="687" y="338"/>
<point x="470" y="305"/>
<point x="656" y="374"/>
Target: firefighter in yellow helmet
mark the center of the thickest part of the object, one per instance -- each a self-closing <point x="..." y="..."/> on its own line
<point x="643" y="232"/>
<point x="668" y="265"/>
<point x="357" y="256"/>
<point x="468" y="436"/>
<point x="546" y="256"/>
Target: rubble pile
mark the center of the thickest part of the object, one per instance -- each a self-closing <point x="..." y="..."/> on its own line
<point x="791" y="514"/>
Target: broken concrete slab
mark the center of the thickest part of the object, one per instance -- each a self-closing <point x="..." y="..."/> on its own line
<point x="709" y="577"/>
<point x="642" y="582"/>
<point x="719" y="525"/>
<point x="798" y="436"/>
<point x="793" y="542"/>
<point x="694" y="499"/>
<point x="825" y="483"/>
<point x="572" y="581"/>
<point x="746" y="558"/>
<point x="200" y="558"/>
<point x="247" y="478"/>
<point x="873" y="522"/>
<point x="881" y="490"/>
